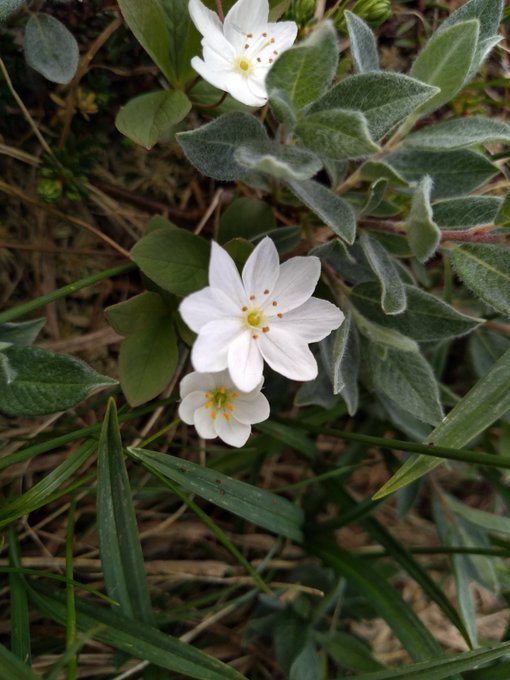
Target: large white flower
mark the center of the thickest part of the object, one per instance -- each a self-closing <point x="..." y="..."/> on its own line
<point x="268" y="314"/>
<point x="239" y="53"/>
<point x="211" y="402"/>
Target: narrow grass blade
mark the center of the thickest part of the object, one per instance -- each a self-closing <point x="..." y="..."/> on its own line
<point x="119" y="543"/>
<point x="139" y="641"/>
<point x="259" y="506"/>
<point x="382" y="597"/>
<point x="43" y="491"/>
<point x="72" y="665"/>
<point x="11" y="668"/>
<point x="440" y="669"/>
<point x="20" y="624"/>
<point x="487" y="401"/>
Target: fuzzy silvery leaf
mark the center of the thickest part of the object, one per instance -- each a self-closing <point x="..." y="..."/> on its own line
<point x="485" y="269"/>
<point x="383" y="336"/>
<point x="363" y="44"/>
<point x="375" y="196"/>
<point x="445" y="62"/>
<point x="426" y="319"/>
<point x="423" y="233"/>
<point x="452" y="172"/>
<point x="150" y="117"/>
<point x="351" y="262"/>
<point x="211" y="148"/>
<point x="277" y="160"/>
<point x="393" y="292"/>
<point x="34" y="381"/>
<point x="9" y="7"/>
<point x="375" y="170"/>
<point x="21" y="333"/>
<point x="485" y="348"/>
<point x="460" y="133"/>
<point x="489" y="14"/>
<point x="336" y="213"/>
<point x="502" y="217"/>
<point x="407" y="379"/>
<point x="316" y="392"/>
<point x="336" y="134"/>
<point x="466" y="212"/>
<point x="344" y="361"/>
<point x="385" y="99"/>
<point x="50" y="48"/>
<point x="305" y="71"/>
<point x="282" y="107"/>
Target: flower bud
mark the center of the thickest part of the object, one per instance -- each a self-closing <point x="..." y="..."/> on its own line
<point x="300" y="11"/>
<point x="49" y="190"/>
<point x="374" y="12"/>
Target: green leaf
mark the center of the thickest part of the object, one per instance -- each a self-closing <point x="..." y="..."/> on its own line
<point x="183" y="39"/>
<point x="348" y="651"/>
<point x="139" y="641"/>
<point x="426" y="318"/>
<point x="148" y="22"/>
<point x="485" y="402"/>
<point x="441" y="669"/>
<point x="423" y="233"/>
<point x="386" y="601"/>
<point x="148" y="356"/>
<point x="35" y="382"/>
<point x="257" y="505"/>
<point x="43" y="492"/>
<point x="485" y="347"/>
<point x="150" y="118"/>
<point x="374" y="170"/>
<point x="393" y="292"/>
<point x="336" y="213"/>
<point x="19" y="611"/>
<point x="445" y="62"/>
<point x="211" y="148"/>
<point x="502" y="218"/>
<point x="246" y="218"/>
<point x="175" y="259"/>
<point x="277" y="160"/>
<point x="488" y="13"/>
<point x="8" y="8"/>
<point x="385" y="99"/>
<point x="363" y="44"/>
<point x="375" y="196"/>
<point x="304" y="72"/>
<point x="387" y="337"/>
<point x="336" y="134"/>
<point x="11" y="668"/>
<point x="119" y="544"/>
<point x="21" y="333"/>
<point x="50" y="48"/>
<point x="452" y="172"/>
<point x="485" y="269"/>
<point x="459" y="133"/>
<point x="480" y="518"/>
<point x="466" y="211"/>
<point x="407" y="379"/>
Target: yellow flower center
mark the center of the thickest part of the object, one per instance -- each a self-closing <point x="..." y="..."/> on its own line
<point x="255" y="318"/>
<point x="244" y="65"/>
<point x="220" y="400"/>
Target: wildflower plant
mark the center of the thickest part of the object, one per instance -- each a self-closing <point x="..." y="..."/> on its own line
<point x="347" y="277"/>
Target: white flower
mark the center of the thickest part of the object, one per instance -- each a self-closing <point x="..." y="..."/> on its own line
<point x="267" y="315"/>
<point x="239" y="53"/>
<point x="211" y="403"/>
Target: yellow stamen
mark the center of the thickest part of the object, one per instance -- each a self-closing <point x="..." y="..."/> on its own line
<point x="265" y="329"/>
<point x="280" y="316"/>
<point x="214" y="415"/>
<point x="254" y="318"/>
<point x="221" y="390"/>
<point x="230" y="407"/>
<point x="209" y="404"/>
<point x="226" y="416"/>
<point x="266" y="292"/>
<point x="274" y="303"/>
<point x="234" y="395"/>
<point x="208" y="395"/>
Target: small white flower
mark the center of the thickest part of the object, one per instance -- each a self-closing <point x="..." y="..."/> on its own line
<point x="212" y="403"/>
<point x="268" y="315"/>
<point x="239" y="53"/>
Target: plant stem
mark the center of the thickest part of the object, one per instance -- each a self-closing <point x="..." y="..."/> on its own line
<point x="44" y="300"/>
<point x="72" y="665"/>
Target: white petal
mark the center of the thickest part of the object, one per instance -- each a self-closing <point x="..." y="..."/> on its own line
<point x="204" y="424"/>
<point x="210" y="350"/>
<point x="238" y="86"/>
<point x="195" y="381"/>
<point x="296" y="283"/>
<point x="211" y="73"/>
<point x="261" y="270"/>
<point x="246" y="16"/>
<point x="207" y="22"/>
<point x="256" y="83"/>
<point x="189" y="405"/>
<point x="284" y="33"/>
<point x="224" y="276"/>
<point x="251" y="411"/>
<point x="312" y="321"/>
<point x="287" y="354"/>
<point x="232" y="432"/>
<point x="206" y="305"/>
<point x="245" y="363"/>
